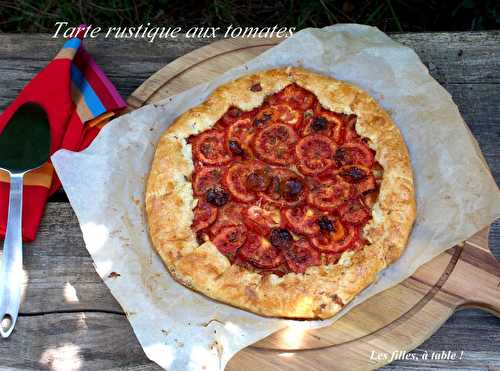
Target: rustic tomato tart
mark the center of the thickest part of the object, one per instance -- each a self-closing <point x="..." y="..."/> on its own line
<point x="284" y="193"/>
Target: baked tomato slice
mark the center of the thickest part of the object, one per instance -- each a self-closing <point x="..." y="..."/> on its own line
<point x="243" y="179"/>
<point x="350" y="125"/>
<point x="287" y="115"/>
<point x="209" y="148"/>
<point x="207" y="178"/>
<point x="265" y="116"/>
<point x="231" y="115"/>
<point x="260" y="252"/>
<point x="286" y="188"/>
<point x="360" y="176"/>
<point x="366" y="185"/>
<point x="329" y="194"/>
<point x="370" y="198"/>
<point x="302" y="220"/>
<point x="230" y="239"/>
<point x="235" y="181"/>
<point x="231" y="214"/>
<point x="301" y="256"/>
<point x="239" y="137"/>
<point x="275" y="143"/>
<point x="297" y="97"/>
<point x="336" y="241"/>
<point x="204" y="215"/>
<point x="353" y="211"/>
<point x="326" y="123"/>
<point x="323" y="124"/>
<point x="315" y="154"/>
<point x="263" y="218"/>
<point x="354" y="153"/>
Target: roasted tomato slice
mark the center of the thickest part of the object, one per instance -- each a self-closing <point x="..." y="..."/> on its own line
<point x="260" y="252"/>
<point x="204" y="215"/>
<point x="324" y="124"/>
<point x="370" y="198"/>
<point x="354" y="153"/>
<point x="350" y="125"/>
<point x="207" y="178"/>
<point x="353" y="211"/>
<point x="243" y="179"/>
<point x="239" y="136"/>
<point x="301" y="256"/>
<point x="263" y="218"/>
<point x="286" y="189"/>
<point x="265" y="116"/>
<point x="231" y="214"/>
<point x="303" y="220"/>
<point x="287" y="115"/>
<point x="297" y="96"/>
<point x="329" y="194"/>
<point x="230" y="238"/>
<point x="232" y="115"/>
<point x="335" y="242"/>
<point x="275" y="144"/>
<point x="360" y="176"/>
<point x="354" y="173"/>
<point x="208" y="147"/>
<point x="315" y="154"/>
<point x="367" y="184"/>
<point x="235" y="181"/>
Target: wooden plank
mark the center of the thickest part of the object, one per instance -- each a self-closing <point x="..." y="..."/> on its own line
<point x="104" y="341"/>
<point x="73" y="341"/>
<point x="60" y="272"/>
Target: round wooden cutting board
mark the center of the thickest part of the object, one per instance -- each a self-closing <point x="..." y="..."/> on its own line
<point x="398" y="319"/>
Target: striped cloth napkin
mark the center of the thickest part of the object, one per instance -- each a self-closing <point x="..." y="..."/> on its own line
<point x="79" y="100"/>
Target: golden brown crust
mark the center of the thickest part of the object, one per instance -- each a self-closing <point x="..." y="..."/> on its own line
<point x="322" y="290"/>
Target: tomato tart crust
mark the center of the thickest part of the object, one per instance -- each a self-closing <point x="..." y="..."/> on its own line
<point x="324" y="287"/>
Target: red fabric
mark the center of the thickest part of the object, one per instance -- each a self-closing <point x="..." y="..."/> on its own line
<point x="51" y="88"/>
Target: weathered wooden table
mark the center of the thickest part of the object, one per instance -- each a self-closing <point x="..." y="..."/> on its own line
<point x="69" y="320"/>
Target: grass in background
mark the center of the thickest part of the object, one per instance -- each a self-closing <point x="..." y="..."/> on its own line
<point x="388" y="15"/>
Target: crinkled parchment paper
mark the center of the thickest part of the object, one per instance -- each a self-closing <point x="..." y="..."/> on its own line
<point x="180" y="329"/>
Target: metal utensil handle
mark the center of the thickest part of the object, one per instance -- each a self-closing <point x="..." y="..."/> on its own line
<point x="12" y="262"/>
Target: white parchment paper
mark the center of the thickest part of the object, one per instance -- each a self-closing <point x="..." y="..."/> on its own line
<point x="180" y="329"/>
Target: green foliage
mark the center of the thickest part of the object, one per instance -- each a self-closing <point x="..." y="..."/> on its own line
<point x="388" y="15"/>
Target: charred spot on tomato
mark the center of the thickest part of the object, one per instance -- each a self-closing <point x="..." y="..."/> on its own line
<point x="217" y="196"/>
<point x="234" y="236"/>
<point x="292" y="188"/>
<point x="258" y="180"/>
<point x="281" y="238"/>
<point x="256" y="87"/>
<point x="234" y="112"/>
<point x="265" y="117"/>
<point x="342" y="156"/>
<point x="319" y="123"/>
<point x="325" y="224"/>
<point x="353" y="174"/>
<point x="235" y="148"/>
